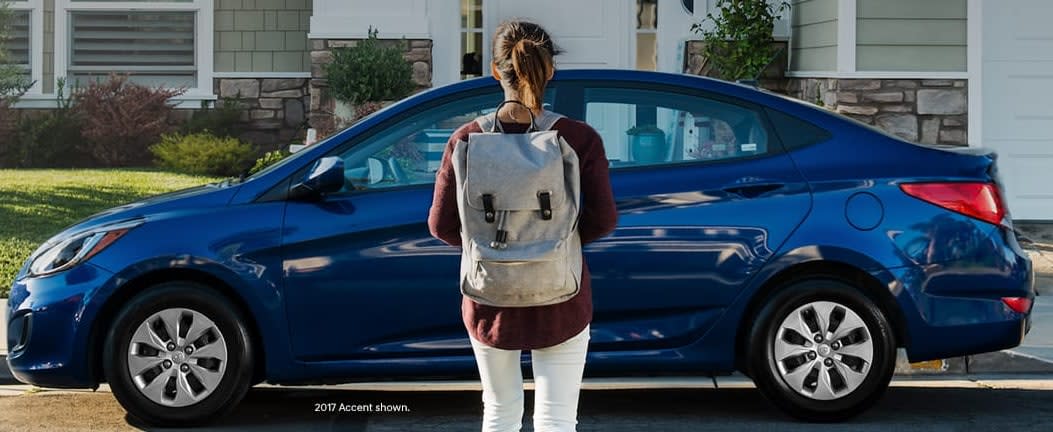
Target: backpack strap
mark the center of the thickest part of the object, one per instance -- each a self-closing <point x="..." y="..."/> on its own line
<point x="547" y="120"/>
<point x="543" y="122"/>
<point x="486" y="122"/>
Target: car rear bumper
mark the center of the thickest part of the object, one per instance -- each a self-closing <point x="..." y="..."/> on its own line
<point x="954" y="309"/>
<point x="48" y="325"/>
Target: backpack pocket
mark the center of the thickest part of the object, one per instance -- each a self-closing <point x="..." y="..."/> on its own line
<point x="533" y="274"/>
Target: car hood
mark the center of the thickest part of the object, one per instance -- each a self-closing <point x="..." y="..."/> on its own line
<point x="210" y="195"/>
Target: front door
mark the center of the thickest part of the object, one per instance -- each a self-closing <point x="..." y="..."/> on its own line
<point x="364" y="277"/>
<point x="592" y="33"/>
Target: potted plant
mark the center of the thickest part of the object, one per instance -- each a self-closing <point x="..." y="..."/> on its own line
<point x="738" y="38"/>
<point x="647" y="143"/>
<point x="366" y="77"/>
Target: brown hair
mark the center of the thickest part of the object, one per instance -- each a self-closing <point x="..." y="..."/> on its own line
<point x="522" y="52"/>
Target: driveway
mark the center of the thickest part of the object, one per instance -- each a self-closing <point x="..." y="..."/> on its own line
<point x="927" y="406"/>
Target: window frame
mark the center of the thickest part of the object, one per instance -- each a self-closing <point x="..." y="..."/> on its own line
<point x="775" y="144"/>
<point x="480" y="31"/>
<point x="203" y="35"/>
<point x="36" y="41"/>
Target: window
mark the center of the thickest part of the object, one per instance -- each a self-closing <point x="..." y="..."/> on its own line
<point x="23" y="47"/>
<point x="17" y="45"/>
<point x="409" y="152"/>
<point x="647" y="34"/>
<point x="796" y="133"/>
<point x="471" y="38"/>
<point x="643" y="127"/>
<point x="155" y="43"/>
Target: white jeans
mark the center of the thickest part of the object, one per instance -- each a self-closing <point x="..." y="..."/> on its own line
<point x="557" y="382"/>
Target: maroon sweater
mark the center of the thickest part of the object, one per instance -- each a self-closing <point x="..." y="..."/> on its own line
<point x="534" y="327"/>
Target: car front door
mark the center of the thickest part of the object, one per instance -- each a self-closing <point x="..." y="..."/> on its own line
<point x="364" y="279"/>
<point x="705" y="196"/>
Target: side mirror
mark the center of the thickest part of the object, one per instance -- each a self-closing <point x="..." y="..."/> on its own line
<point x="325" y="176"/>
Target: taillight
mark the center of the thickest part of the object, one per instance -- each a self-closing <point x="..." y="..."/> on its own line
<point x="1018" y="304"/>
<point x="978" y="200"/>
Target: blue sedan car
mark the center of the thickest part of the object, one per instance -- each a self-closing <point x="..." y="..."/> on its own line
<point x="756" y="234"/>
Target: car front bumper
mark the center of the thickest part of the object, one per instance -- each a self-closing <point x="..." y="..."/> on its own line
<point x="49" y="324"/>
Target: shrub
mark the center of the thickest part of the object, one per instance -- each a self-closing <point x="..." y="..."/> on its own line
<point x="268" y="159"/>
<point x="740" y="42"/>
<point x="369" y="71"/>
<point x="222" y="120"/>
<point x="121" y="119"/>
<point x="48" y="140"/>
<point x="203" y="154"/>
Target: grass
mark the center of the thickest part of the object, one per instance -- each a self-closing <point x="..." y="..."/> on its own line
<point x="36" y="204"/>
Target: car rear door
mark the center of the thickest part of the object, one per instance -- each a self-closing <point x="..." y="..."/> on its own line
<point x="705" y="195"/>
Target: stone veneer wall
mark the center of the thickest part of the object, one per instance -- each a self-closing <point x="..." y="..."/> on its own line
<point x="923" y="111"/>
<point x="322" y="105"/>
<point x="275" y="108"/>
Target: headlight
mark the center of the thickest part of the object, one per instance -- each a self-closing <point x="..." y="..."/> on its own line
<point x="64" y="252"/>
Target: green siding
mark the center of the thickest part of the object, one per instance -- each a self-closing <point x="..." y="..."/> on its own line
<point x="813" y="46"/>
<point x="911" y="35"/>
<point x="262" y="36"/>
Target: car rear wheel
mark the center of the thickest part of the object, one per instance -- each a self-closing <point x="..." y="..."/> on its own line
<point x="821" y="351"/>
<point x="178" y="355"/>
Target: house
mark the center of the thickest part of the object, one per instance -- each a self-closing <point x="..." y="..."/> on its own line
<point x="960" y="72"/>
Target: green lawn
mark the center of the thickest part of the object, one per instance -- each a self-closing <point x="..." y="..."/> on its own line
<point x="36" y="204"/>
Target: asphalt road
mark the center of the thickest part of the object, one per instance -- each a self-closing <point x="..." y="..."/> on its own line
<point x="946" y="407"/>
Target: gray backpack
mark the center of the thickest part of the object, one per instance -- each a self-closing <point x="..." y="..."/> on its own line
<point x="519" y="197"/>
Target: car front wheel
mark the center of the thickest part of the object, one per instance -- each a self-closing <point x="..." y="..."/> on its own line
<point x="178" y="355"/>
<point x="822" y="351"/>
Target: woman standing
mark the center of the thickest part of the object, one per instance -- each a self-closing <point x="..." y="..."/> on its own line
<point x="556" y="334"/>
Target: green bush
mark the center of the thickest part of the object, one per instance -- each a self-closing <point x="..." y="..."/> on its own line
<point x="369" y="71"/>
<point x="203" y="154"/>
<point x="47" y="140"/>
<point x="222" y="120"/>
<point x="268" y="159"/>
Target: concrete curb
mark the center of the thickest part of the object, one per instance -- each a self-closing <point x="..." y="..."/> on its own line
<point x="5" y="374"/>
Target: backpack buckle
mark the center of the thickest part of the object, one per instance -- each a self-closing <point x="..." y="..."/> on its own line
<point x="488" y="208"/>
<point x="544" y="198"/>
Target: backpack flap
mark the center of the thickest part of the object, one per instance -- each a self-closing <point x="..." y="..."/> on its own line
<point x="514" y="170"/>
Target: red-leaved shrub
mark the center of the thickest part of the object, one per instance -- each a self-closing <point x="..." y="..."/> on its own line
<point x="122" y="119"/>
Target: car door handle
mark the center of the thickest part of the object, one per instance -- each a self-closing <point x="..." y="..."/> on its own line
<point x="753" y="190"/>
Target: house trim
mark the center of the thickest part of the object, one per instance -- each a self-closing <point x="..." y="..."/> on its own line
<point x="974" y="23"/>
<point x="45" y="101"/>
<point x="446" y="49"/>
<point x="846" y="36"/>
<point x="880" y="74"/>
<point x="204" y="45"/>
<point x="235" y="75"/>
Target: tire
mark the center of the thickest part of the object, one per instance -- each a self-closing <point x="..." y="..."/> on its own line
<point x="806" y="380"/>
<point x="178" y="389"/>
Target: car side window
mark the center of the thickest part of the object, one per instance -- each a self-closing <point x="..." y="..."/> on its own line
<point x="645" y="127"/>
<point x="409" y="152"/>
